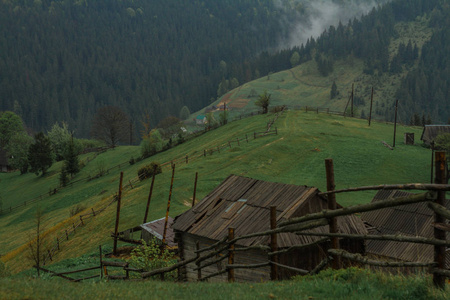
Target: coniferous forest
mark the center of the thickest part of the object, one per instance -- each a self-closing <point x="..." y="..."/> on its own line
<point x="62" y="60"/>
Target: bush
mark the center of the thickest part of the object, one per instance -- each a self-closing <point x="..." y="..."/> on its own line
<point x="77" y="209"/>
<point x="151" y="256"/>
<point x="277" y="109"/>
<point x="148" y="170"/>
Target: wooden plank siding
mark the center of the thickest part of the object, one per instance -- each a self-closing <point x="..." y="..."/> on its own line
<point x="244" y="204"/>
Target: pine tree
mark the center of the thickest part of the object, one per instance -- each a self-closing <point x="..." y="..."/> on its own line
<point x="71" y="163"/>
<point x="334" y="92"/>
<point x="40" y="154"/>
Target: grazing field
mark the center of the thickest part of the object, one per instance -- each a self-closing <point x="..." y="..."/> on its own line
<point x="295" y="156"/>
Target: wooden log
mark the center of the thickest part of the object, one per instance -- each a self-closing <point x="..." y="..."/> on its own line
<point x="199" y="267"/>
<point x="212" y="246"/>
<point x="231" y="267"/>
<point x="301" y="271"/>
<point x="298" y="247"/>
<point x="320" y="266"/>
<point x="77" y="271"/>
<point x="150" y="193"/>
<point x="117" y="277"/>
<point x="442" y="226"/>
<point x="85" y="278"/>
<point x="101" y="261"/>
<point x="363" y="208"/>
<point x="168" y="207"/>
<point x="256" y="247"/>
<point x="361" y="259"/>
<point x="441" y="272"/>
<point x="195" y="189"/>
<point x="273" y="244"/>
<point x="52" y="272"/>
<point x="167" y="269"/>
<point x="439" y="251"/>
<point x="387" y="145"/>
<point x="333" y="226"/>
<point x="230" y="255"/>
<point x="385" y="237"/>
<point x="115" y="264"/>
<point x="212" y="254"/>
<point x="409" y="186"/>
<point x="214" y="274"/>
<point x="439" y="209"/>
<point x="116" y="228"/>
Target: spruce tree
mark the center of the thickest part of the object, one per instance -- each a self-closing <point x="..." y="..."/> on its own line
<point x="71" y="163"/>
<point x="40" y="154"/>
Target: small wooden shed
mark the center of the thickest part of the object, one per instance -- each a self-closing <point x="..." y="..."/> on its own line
<point x="155" y="229"/>
<point x="410" y="220"/>
<point x="244" y="204"/>
<point x="430" y="132"/>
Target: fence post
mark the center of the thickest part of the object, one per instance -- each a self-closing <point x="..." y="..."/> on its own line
<point x="229" y="144"/>
<point x="276" y="131"/>
<point x="187" y="159"/>
<point x="167" y="211"/>
<point x="246" y="137"/>
<point x="218" y="149"/>
<point x="230" y="254"/>
<point x="150" y="194"/>
<point x="439" y="251"/>
<point x="116" y="228"/>
<point x="93" y="212"/>
<point x="49" y="255"/>
<point x="273" y="243"/>
<point x="199" y="271"/>
<point x="317" y="111"/>
<point x="81" y="220"/>
<point x="57" y="243"/>
<point x="238" y="141"/>
<point x="101" y="261"/>
<point x="204" y="152"/>
<point x="306" y="108"/>
<point x="332" y="205"/>
<point x="195" y="189"/>
<point x="73" y="226"/>
<point x="67" y="235"/>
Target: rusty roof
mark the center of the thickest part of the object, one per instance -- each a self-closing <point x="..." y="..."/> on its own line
<point x="430" y="132"/>
<point x="411" y="220"/>
<point x="156" y="228"/>
<point x="244" y="204"/>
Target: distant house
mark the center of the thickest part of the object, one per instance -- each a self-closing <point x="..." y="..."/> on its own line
<point x="200" y="120"/>
<point x="244" y="204"/>
<point x="410" y="220"/>
<point x="4" y="166"/>
<point x="430" y="132"/>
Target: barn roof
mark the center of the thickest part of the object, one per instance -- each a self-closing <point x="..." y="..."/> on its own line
<point x="156" y="228"/>
<point x="411" y="220"/>
<point x="430" y="132"/>
<point x="244" y="204"/>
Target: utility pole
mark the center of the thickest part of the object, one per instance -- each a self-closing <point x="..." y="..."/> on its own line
<point x="395" y="121"/>
<point x="352" y="98"/>
<point x="371" y="102"/>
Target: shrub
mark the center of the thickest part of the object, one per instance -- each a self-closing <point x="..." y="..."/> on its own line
<point x="148" y="170"/>
<point x="77" y="209"/>
<point x="151" y="256"/>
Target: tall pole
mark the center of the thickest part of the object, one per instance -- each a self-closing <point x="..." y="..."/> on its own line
<point x="395" y="121"/>
<point x="195" y="189"/>
<point x="432" y="160"/>
<point x="168" y="207"/>
<point x="331" y="206"/>
<point x="352" y="97"/>
<point x="273" y="243"/>
<point x="150" y="195"/>
<point x="439" y="251"/>
<point x="231" y="255"/>
<point x="116" y="230"/>
<point x="371" y="102"/>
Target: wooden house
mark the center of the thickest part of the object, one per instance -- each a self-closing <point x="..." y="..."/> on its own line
<point x="410" y="220"/>
<point x="244" y="204"/>
<point x="430" y="132"/>
<point x="200" y="120"/>
<point x="155" y="229"/>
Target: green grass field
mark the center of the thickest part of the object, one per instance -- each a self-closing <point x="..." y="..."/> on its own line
<point x="343" y="284"/>
<point x="295" y="156"/>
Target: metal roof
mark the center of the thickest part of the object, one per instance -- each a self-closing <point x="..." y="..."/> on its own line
<point x="410" y="220"/>
<point x="156" y="228"/>
<point x="244" y="204"/>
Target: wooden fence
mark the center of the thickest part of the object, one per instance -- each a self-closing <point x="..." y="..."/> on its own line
<point x="434" y="196"/>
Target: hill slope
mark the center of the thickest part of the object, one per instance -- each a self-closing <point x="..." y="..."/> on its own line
<point x="296" y="156"/>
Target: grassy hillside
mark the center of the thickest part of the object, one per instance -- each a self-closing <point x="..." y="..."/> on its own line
<point x="296" y="156"/>
<point x="304" y="86"/>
